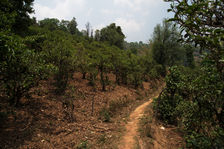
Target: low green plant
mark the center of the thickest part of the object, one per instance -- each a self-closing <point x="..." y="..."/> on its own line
<point x="102" y="138"/>
<point x="105" y="115"/>
<point x="83" y="145"/>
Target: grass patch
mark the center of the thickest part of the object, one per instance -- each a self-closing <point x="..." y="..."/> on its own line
<point x="83" y="145"/>
<point x="145" y="129"/>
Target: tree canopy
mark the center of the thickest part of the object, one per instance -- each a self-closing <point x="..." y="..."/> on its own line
<point x="113" y="35"/>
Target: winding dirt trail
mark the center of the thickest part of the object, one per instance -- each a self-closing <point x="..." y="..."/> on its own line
<point x="129" y="139"/>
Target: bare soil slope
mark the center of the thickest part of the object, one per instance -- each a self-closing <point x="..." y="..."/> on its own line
<point x="44" y="122"/>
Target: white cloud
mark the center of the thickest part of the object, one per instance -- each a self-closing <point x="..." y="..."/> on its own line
<point x="136" y="4"/>
<point x="65" y="9"/>
<point x="136" y="17"/>
<point x="108" y="12"/>
<point x="123" y="3"/>
<point x="99" y="26"/>
<point x="128" y="25"/>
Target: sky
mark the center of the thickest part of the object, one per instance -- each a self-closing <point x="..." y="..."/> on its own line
<point x="137" y="18"/>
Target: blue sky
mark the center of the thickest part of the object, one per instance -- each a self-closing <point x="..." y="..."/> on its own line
<point x="137" y="18"/>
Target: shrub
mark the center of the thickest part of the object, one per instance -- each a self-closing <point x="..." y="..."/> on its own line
<point x="21" y="68"/>
<point x="194" y="101"/>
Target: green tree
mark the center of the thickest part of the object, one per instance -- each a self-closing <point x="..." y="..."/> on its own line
<point x="166" y="50"/>
<point x="63" y="25"/>
<point x="189" y="50"/>
<point x="102" y="54"/>
<point x="21" y="68"/>
<point x="15" y="15"/>
<point x="83" y="59"/>
<point x="50" y="24"/>
<point x="135" y="70"/>
<point x="72" y="26"/>
<point x="201" y="21"/>
<point x="113" y="35"/>
<point x="97" y="35"/>
<point x="59" y="51"/>
<point x="194" y="98"/>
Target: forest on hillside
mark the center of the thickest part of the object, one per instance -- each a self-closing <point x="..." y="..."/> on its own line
<point x="187" y="50"/>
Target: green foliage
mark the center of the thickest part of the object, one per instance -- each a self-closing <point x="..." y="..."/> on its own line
<point x="166" y="50"/>
<point x="102" y="55"/>
<point x="105" y="115"/>
<point x="83" y="145"/>
<point x="203" y="27"/>
<point x="135" y="47"/>
<point x="189" y="56"/>
<point x="113" y="35"/>
<point x="194" y="101"/>
<point x="15" y="15"/>
<point x="200" y="110"/>
<point x="201" y="24"/>
<point x="7" y="17"/>
<point x="21" y="68"/>
<point x="72" y="26"/>
<point x="83" y="60"/>
<point x="50" y="24"/>
<point x="59" y="51"/>
<point x="135" y="71"/>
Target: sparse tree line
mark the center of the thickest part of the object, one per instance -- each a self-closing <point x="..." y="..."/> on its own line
<point x="53" y="48"/>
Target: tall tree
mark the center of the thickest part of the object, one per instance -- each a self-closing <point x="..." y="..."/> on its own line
<point x="113" y="35"/>
<point x="51" y="24"/>
<point x="72" y="26"/>
<point x="97" y="35"/>
<point x="166" y="49"/>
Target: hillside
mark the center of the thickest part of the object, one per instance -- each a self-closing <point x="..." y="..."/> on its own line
<point x="43" y="121"/>
<point x="66" y="87"/>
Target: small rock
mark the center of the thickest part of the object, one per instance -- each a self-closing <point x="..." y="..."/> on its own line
<point x="163" y="128"/>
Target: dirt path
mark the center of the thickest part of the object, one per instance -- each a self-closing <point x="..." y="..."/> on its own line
<point x="130" y="139"/>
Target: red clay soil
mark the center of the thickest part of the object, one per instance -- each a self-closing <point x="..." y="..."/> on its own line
<point x="128" y="141"/>
<point x="156" y="135"/>
<point x="43" y="121"/>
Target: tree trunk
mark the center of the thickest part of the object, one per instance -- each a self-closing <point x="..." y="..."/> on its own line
<point x="84" y="75"/>
<point x="102" y="79"/>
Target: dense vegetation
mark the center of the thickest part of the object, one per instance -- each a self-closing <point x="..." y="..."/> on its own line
<point x="193" y="99"/>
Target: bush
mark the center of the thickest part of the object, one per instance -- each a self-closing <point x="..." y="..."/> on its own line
<point x="193" y="100"/>
<point x="21" y="68"/>
<point x="59" y="51"/>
